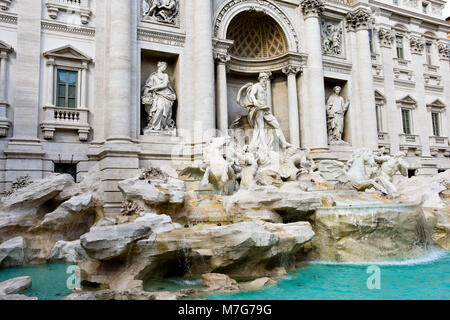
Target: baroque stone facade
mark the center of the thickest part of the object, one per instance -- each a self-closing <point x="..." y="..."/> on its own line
<point x="74" y="92"/>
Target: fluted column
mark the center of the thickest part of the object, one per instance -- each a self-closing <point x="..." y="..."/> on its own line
<point x="118" y="126"/>
<point x="269" y="101"/>
<point x="84" y="87"/>
<point x="393" y="120"/>
<point x="314" y="73"/>
<point x="203" y="66"/>
<point x="294" y="121"/>
<point x="358" y="21"/>
<point x="49" y="74"/>
<point x="221" y="93"/>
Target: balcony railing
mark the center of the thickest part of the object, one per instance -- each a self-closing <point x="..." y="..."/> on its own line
<point x="76" y="6"/>
<point x="411" y="142"/>
<point x="65" y="119"/>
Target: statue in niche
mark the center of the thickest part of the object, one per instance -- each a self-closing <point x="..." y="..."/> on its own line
<point x="253" y="98"/>
<point x="332" y="39"/>
<point x="165" y="11"/>
<point x="336" y="110"/>
<point x="158" y="98"/>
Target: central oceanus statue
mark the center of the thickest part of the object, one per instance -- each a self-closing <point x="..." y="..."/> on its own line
<point x="253" y="98"/>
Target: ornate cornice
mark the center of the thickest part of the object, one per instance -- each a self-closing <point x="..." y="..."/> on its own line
<point x="162" y="37"/>
<point x="62" y="27"/>
<point x="417" y="44"/>
<point x="359" y="19"/>
<point x="312" y="8"/>
<point x="387" y="37"/>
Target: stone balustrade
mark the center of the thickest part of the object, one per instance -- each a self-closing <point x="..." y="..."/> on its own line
<point x="74" y="6"/>
<point x="65" y="119"/>
<point x="411" y="142"/>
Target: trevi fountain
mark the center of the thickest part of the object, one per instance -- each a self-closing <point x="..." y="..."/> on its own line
<point x="287" y="191"/>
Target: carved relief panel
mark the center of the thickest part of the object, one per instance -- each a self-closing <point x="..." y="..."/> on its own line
<point x="161" y="11"/>
<point x="332" y="38"/>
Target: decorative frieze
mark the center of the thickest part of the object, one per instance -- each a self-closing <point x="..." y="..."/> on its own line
<point x="332" y="34"/>
<point x="312" y="8"/>
<point x="359" y="19"/>
<point x="417" y="44"/>
<point x="387" y="37"/>
<point x="165" y="12"/>
<point x="161" y="37"/>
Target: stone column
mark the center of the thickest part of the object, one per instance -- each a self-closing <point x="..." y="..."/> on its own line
<point x="444" y="54"/>
<point x="314" y="72"/>
<point x="294" y="121"/>
<point x="269" y="92"/>
<point x="5" y="123"/>
<point x="394" y="122"/>
<point x="118" y="126"/>
<point x="203" y="66"/>
<point x="24" y="152"/>
<point x="422" y="125"/>
<point x="221" y="92"/>
<point x="358" y="21"/>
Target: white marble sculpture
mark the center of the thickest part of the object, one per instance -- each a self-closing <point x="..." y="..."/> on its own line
<point x="336" y="110"/>
<point x="389" y="168"/>
<point x="253" y="98"/>
<point x="215" y="170"/>
<point x="158" y="98"/>
<point x="367" y="170"/>
<point x="165" y="11"/>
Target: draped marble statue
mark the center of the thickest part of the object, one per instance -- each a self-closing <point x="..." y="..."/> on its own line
<point x="253" y="98"/>
<point x="158" y="98"/>
<point x="336" y="110"/>
<point x="165" y="11"/>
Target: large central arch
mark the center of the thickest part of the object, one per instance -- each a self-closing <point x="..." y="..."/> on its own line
<point x="230" y="9"/>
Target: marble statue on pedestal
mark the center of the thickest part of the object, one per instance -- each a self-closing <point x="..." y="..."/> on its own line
<point x="336" y="110"/>
<point x="253" y="98"/>
<point x="165" y="11"/>
<point x="158" y="98"/>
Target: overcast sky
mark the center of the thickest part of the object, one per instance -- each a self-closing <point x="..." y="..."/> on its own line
<point x="447" y="9"/>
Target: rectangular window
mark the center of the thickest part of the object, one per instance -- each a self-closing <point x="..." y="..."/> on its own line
<point x="428" y="53"/>
<point x="406" y="118"/>
<point x="67" y="89"/>
<point x="399" y="46"/>
<point x="379" y="119"/>
<point x="435" y="117"/>
<point x="67" y="168"/>
<point x="395" y="2"/>
<point x="371" y="40"/>
<point x="424" y="8"/>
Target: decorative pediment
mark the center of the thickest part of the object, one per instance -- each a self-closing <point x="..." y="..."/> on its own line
<point x="436" y="105"/>
<point x="68" y="53"/>
<point x="379" y="97"/>
<point x="407" y="101"/>
<point x="5" y="48"/>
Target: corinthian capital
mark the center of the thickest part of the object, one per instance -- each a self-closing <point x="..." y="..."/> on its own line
<point x="359" y="19"/>
<point x="444" y="50"/>
<point x="222" y="57"/>
<point x="291" y="69"/>
<point x="312" y="8"/>
<point x="417" y="44"/>
<point x="387" y="37"/>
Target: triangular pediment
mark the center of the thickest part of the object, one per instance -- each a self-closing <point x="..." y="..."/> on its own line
<point x="379" y="96"/>
<point x="437" y="104"/>
<point x="5" y="47"/>
<point x="68" y="52"/>
<point x="407" y="100"/>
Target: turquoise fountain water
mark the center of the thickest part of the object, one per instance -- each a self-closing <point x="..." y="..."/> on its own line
<point x="420" y="279"/>
<point x="49" y="280"/>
